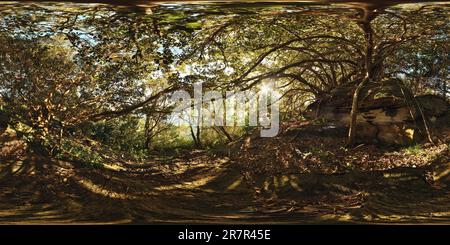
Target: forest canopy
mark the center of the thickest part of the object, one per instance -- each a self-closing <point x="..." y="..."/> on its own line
<point x="67" y="66"/>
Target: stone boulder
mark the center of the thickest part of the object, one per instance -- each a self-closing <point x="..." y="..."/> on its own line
<point x="388" y="111"/>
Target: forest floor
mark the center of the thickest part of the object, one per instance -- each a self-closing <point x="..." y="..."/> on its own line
<point x="287" y="179"/>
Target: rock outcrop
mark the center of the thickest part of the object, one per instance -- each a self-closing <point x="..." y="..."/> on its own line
<point x="388" y="112"/>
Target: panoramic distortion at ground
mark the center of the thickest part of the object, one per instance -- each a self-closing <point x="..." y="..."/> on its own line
<point x="224" y="113"/>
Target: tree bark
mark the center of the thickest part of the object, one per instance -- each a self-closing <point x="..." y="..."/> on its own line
<point x="445" y="90"/>
<point x="199" y="142"/>
<point x="147" y="133"/>
<point x="220" y="130"/>
<point x="368" y="37"/>
<point x="224" y="131"/>
<point x="196" y="136"/>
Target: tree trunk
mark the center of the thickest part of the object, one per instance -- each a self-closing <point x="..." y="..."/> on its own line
<point x="445" y="90"/>
<point x="224" y="131"/>
<point x="196" y="136"/>
<point x="199" y="123"/>
<point x="354" y="113"/>
<point x="220" y="130"/>
<point x="199" y="142"/>
<point x="147" y="133"/>
<point x="368" y="36"/>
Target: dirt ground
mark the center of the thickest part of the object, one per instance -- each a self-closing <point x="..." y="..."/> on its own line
<point x="205" y="188"/>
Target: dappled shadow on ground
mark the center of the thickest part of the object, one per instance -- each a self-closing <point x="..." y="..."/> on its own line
<point x="203" y="189"/>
